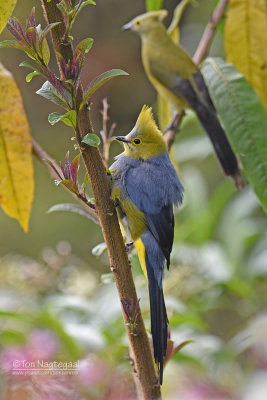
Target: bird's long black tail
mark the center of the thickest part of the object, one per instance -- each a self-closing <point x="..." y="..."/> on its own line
<point x="204" y="108"/>
<point x="195" y="92"/>
<point x="217" y="136"/>
<point x="159" y="319"/>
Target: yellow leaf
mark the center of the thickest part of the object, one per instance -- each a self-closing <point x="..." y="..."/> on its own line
<point x="246" y="42"/>
<point x="173" y="29"/>
<point x="6" y="10"/>
<point x="16" y="167"/>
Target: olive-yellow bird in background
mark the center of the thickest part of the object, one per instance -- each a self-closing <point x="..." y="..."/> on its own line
<point x="145" y="187"/>
<point x="176" y="77"/>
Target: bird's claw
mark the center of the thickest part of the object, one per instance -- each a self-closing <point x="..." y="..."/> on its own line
<point x="128" y="246"/>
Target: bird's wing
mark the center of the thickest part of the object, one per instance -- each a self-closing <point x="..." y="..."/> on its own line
<point x="198" y="81"/>
<point x="193" y="90"/>
<point x="148" y="190"/>
<point x="161" y="226"/>
<point x="169" y="58"/>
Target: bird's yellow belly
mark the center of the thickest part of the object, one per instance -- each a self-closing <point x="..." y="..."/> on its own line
<point x="135" y="221"/>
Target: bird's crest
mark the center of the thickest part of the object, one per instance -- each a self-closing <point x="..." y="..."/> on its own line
<point x="159" y="15"/>
<point x="145" y="140"/>
<point x="145" y="122"/>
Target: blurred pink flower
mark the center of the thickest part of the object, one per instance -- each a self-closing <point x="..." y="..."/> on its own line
<point x="55" y="387"/>
<point x="14" y="358"/>
<point x="42" y="344"/>
<point x="203" y="391"/>
<point x="92" y="371"/>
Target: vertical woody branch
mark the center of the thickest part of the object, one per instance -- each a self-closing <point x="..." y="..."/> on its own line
<point x="140" y="349"/>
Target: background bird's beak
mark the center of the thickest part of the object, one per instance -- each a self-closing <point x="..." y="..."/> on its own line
<point x="122" y="139"/>
<point x="127" y="27"/>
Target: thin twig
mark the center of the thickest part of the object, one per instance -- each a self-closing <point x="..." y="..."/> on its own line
<point x="173" y="128"/>
<point x="209" y="32"/>
<point x="199" y="56"/>
<point x="106" y="133"/>
<point x="55" y="173"/>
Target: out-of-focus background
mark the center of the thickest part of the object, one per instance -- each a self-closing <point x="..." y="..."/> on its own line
<point x="57" y="297"/>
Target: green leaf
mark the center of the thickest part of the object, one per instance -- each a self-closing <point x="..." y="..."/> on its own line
<point x="16" y="45"/>
<point x="70" y="185"/>
<point x="85" y="182"/>
<point x="84" y="3"/>
<point x="45" y="52"/>
<point x="99" y="249"/>
<point x="240" y="287"/>
<point x="152" y="5"/>
<point x="32" y="65"/>
<point x="43" y="45"/>
<point x="10" y="338"/>
<point x="70" y="118"/>
<point x="91" y="139"/>
<point x="62" y="7"/>
<point x="177" y="15"/>
<point x="85" y="45"/>
<point x="73" y="208"/>
<point x="189" y="319"/>
<point x="49" y="92"/>
<point x="244" y="119"/>
<point x="200" y="228"/>
<point x="11" y="43"/>
<point x="50" y="321"/>
<point x="99" y="81"/>
<point x="31" y="75"/>
<point x="45" y="32"/>
<point x="16" y="315"/>
<point x="107" y="279"/>
<point x="54" y="118"/>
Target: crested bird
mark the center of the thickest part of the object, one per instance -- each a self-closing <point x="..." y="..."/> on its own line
<point x="145" y="187"/>
<point x="177" y="78"/>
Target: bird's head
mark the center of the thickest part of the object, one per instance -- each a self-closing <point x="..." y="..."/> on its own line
<point x="145" y="140"/>
<point x="145" y="22"/>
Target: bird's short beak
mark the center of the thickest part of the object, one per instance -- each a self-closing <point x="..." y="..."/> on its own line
<point x="127" y="27"/>
<point x="122" y="139"/>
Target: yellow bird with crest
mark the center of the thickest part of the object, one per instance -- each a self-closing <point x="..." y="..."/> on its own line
<point x="145" y="187"/>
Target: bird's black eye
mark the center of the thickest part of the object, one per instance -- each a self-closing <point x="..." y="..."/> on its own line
<point x="138" y="23"/>
<point x="137" y="141"/>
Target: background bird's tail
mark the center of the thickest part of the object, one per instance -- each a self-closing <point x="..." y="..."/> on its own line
<point x="200" y="101"/>
<point x="212" y="126"/>
<point x="159" y="319"/>
<point x="194" y="91"/>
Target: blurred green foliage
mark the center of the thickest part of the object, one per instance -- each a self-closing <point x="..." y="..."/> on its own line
<point x="52" y="300"/>
<point x="215" y="294"/>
